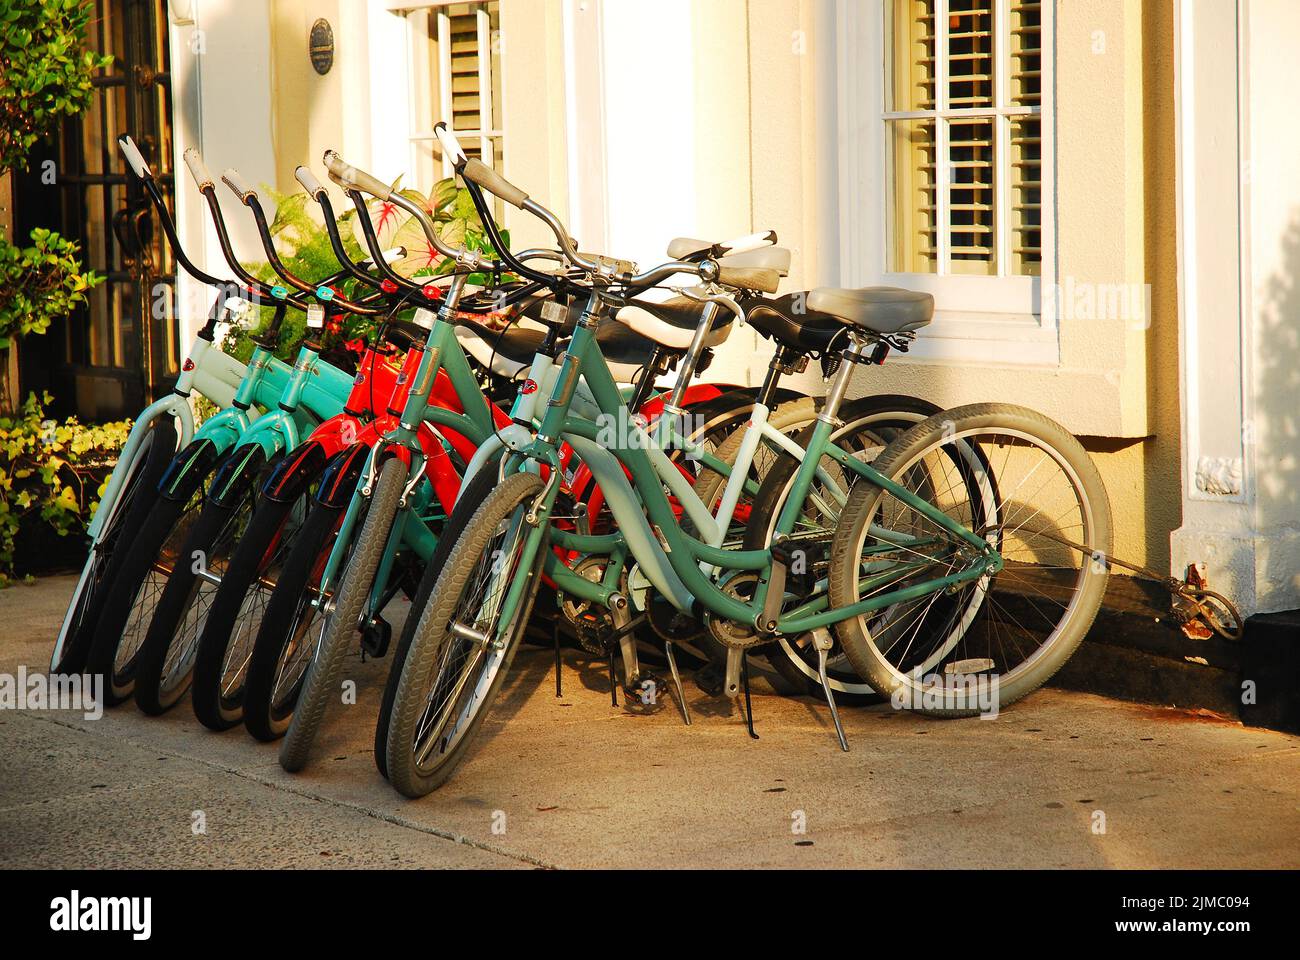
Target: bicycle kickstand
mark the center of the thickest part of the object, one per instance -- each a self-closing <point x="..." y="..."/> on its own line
<point x="555" y="631"/>
<point x="822" y="638"/>
<point x="737" y="682"/>
<point x="677" y="682"/>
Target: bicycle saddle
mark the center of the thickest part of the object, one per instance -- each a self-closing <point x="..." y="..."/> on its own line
<point x="810" y="321"/>
<point x="875" y="309"/>
<point x="788" y="321"/>
<point x="672" y="323"/>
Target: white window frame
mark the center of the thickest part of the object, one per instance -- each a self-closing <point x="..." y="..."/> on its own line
<point x="421" y="131"/>
<point x="986" y="319"/>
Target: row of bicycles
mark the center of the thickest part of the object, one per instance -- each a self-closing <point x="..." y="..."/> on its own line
<point x="566" y="473"/>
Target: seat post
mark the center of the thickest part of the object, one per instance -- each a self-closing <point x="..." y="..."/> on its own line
<point x="687" y="369"/>
<point x="840" y="385"/>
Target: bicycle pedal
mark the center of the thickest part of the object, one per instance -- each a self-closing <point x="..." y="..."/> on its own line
<point x="591" y="629"/>
<point x="711" y="679"/>
<point x="375" y="637"/>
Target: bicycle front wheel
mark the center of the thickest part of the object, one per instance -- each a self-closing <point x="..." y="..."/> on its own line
<point x="465" y="641"/>
<point x="339" y="629"/>
<point x="141" y="478"/>
<point x="997" y="636"/>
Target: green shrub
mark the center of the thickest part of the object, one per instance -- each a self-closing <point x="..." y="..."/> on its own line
<point x="45" y="471"/>
<point x="45" y="70"/>
<point x="38" y="284"/>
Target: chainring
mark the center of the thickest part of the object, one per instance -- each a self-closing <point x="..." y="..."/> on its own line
<point x="732" y="633"/>
<point x="590" y="621"/>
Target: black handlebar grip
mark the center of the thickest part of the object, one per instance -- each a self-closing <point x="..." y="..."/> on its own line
<point x="491" y="181"/>
<point x="404" y="335"/>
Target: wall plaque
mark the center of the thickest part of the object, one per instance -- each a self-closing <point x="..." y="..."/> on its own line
<point x="321" y="46"/>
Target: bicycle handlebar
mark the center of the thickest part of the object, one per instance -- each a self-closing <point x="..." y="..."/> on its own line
<point x="197" y="168"/>
<point x="235" y="182"/>
<point x="477" y="174"/>
<point x="353" y="179"/>
<point x="347" y="175"/>
<point x="754" y="241"/>
<point x="309" y="182"/>
<point x="450" y="144"/>
<point x="135" y="158"/>
<point x="491" y="181"/>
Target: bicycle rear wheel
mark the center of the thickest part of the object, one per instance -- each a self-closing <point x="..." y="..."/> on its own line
<point x="464" y="643"/>
<point x="1000" y="635"/>
<point x="869" y="425"/>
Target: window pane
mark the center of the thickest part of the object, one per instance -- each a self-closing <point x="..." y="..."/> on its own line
<point x="911" y="80"/>
<point x="1026" y="196"/>
<point x="460" y="73"/>
<point x="912" y="150"/>
<point x="970" y="53"/>
<point x="1026" y="54"/>
<point x="972" y="197"/>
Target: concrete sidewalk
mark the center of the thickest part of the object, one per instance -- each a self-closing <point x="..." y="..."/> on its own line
<point x="575" y="783"/>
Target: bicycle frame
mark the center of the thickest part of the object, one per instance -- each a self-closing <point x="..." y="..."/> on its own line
<point x="671" y="559"/>
<point x="476" y="421"/>
<point x="206" y="371"/>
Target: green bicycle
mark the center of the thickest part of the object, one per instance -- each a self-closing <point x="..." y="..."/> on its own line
<point x="964" y="566"/>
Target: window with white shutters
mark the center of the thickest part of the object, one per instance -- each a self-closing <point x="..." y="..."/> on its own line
<point x="456" y="67"/>
<point x="963" y="103"/>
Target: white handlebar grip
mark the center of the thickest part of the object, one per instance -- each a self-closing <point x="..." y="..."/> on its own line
<point x="754" y="241"/>
<point x="450" y="145"/>
<point x="197" y="169"/>
<point x="309" y="181"/>
<point x="135" y="159"/>
<point x="236" y="183"/>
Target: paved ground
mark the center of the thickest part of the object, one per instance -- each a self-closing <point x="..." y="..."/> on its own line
<point x="574" y="783"/>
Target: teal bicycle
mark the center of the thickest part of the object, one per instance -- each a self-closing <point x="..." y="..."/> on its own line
<point x="962" y="569"/>
<point x="295" y="399"/>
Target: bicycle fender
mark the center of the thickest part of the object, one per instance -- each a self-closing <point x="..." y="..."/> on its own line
<point x="294" y="473"/>
<point x="237" y="474"/>
<point x="187" y="469"/>
<point x="341" y="474"/>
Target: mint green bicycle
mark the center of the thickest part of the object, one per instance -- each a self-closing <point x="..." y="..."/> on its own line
<point x="958" y="572"/>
